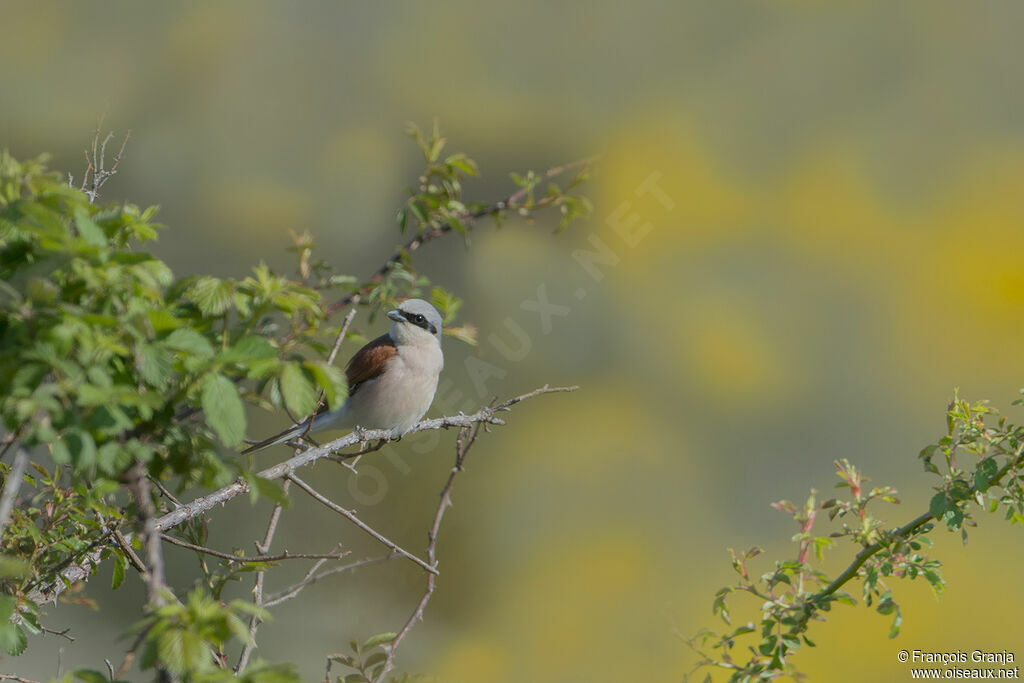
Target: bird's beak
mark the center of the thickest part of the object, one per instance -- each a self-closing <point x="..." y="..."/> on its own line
<point x="396" y="316"/>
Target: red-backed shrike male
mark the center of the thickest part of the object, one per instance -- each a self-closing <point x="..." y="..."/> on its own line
<point x="391" y="380"/>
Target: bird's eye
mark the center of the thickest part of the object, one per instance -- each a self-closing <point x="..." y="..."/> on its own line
<point x="419" y="319"/>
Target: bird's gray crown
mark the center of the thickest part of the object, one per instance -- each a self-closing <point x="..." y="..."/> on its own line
<point x="419" y="313"/>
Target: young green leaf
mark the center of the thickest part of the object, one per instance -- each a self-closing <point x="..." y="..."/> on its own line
<point x="186" y="339"/>
<point x="224" y="410"/>
<point x="299" y="393"/>
<point x="12" y="639"/>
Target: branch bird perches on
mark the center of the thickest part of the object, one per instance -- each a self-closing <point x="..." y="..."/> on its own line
<point x="488" y="415"/>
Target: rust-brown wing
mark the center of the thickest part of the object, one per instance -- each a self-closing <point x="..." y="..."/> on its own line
<point x="369" y="361"/>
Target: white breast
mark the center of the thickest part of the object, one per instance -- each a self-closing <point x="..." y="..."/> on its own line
<point x="398" y="398"/>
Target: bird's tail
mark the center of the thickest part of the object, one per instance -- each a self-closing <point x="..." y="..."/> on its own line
<point x="286" y="435"/>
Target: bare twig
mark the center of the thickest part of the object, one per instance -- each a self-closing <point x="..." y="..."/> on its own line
<point x="330" y="361"/>
<point x="249" y="560"/>
<point x="257" y="590"/>
<point x="467" y="436"/>
<point x="96" y="173"/>
<point x="351" y="516"/>
<point x="129" y="656"/>
<point x="340" y="338"/>
<point x="313" y="576"/>
<point x="164" y="492"/>
<point x="12" y="485"/>
<point x="62" y="634"/>
<point x="19" y="679"/>
<point x="80" y="569"/>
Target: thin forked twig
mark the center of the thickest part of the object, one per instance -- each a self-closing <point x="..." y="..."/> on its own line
<point x="258" y="558"/>
<point x="80" y="569"/>
<point x="96" y="172"/>
<point x="330" y="361"/>
<point x="313" y="576"/>
<point x="257" y="589"/>
<point x="467" y="436"/>
<point x="351" y="516"/>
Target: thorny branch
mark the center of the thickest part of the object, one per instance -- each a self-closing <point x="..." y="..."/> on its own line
<point x="467" y="436"/>
<point x="351" y="516"/>
<point x="903" y="532"/>
<point x="81" y="570"/>
<point x="252" y="559"/>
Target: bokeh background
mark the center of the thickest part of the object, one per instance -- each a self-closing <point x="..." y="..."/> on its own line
<point x="843" y="248"/>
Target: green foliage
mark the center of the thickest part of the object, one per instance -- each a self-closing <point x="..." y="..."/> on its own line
<point x="116" y="369"/>
<point x="979" y="461"/>
<point x="367" y="662"/>
<point x="188" y="640"/>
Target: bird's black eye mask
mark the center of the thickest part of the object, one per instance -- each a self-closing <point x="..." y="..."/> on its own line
<point x="419" y="320"/>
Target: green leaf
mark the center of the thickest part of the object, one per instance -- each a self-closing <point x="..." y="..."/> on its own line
<point x="194" y="650"/>
<point x="87" y="228"/>
<point x="170" y="650"/>
<point x="113" y="458"/>
<point x="954" y="517"/>
<point x="7" y="605"/>
<point x="91" y="676"/>
<point x="212" y="295"/>
<point x="186" y="339"/>
<point x="154" y="365"/>
<point x="463" y="163"/>
<point x="331" y="380"/>
<point x="960" y="490"/>
<point x="986" y="472"/>
<point x="248" y="349"/>
<point x="13" y="567"/>
<point x="246" y="607"/>
<point x="299" y="393"/>
<point x="223" y="408"/>
<point x="418" y="211"/>
<point x="379" y="639"/>
<point x="937" y="506"/>
<point x="767" y="645"/>
<point x="268" y="488"/>
<point x="82" y="449"/>
<point x="119" y="566"/>
<point x="12" y="639"/>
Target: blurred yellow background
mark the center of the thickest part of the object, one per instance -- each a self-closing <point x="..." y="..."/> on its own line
<point x="836" y="242"/>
